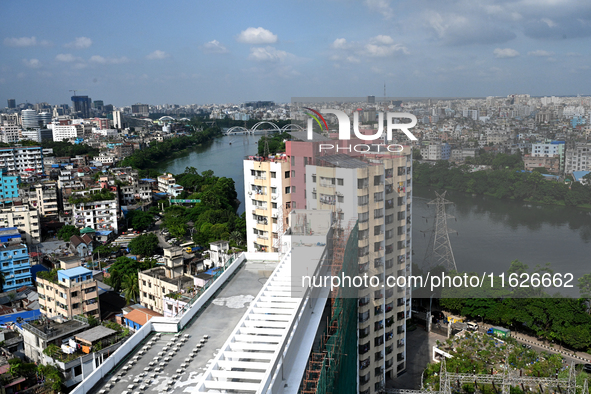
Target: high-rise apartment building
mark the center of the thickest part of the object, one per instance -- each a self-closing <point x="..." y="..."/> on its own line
<point x="81" y="106"/>
<point x="14" y="256"/>
<point x="578" y="157"/>
<point x="23" y="160"/>
<point x="117" y="120"/>
<point x="140" y="109"/>
<point x="267" y="199"/>
<point x="377" y="189"/>
<point x="11" y="103"/>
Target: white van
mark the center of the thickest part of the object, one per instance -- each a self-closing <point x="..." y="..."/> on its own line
<point x="472" y="326"/>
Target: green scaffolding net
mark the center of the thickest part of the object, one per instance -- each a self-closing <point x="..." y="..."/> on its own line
<point x="332" y="368"/>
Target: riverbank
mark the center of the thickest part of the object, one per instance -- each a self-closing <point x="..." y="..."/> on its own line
<point x="503" y="184"/>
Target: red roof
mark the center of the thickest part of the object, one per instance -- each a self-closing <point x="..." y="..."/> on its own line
<point x="141" y="315"/>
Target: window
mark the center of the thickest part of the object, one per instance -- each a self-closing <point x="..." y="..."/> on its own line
<point x="379" y="196"/>
<point x="377" y="180"/>
<point x="363" y="200"/>
<point x="293" y="189"/>
<point x="293" y="173"/>
<point x="287" y="189"/>
<point x="292" y="162"/>
<point x="273" y="190"/>
<point x="274" y="205"/>
<point x="287" y="174"/>
<point x="313" y="195"/>
<point x="378" y="213"/>
<point x="340" y="198"/>
<point x="313" y="178"/>
<point x="363" y="217"/>
<point x="273" y="174"/>
<point x="377" y="230"/>
<point x="340" y="181"/>
<point x="362" y="183"/>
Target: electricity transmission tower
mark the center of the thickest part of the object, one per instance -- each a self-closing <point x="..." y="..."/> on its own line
<point x="439" y="251"/>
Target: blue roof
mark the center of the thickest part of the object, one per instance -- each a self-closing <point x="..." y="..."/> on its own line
<point x="76" y="271"/>
<point x="148" y="180"/>
<point x="579" y="175"/>
<point x="549" y="176"/>
<point x="102" y="232"/>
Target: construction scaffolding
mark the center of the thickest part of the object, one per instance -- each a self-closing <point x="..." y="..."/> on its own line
<point x="502" y="382"/>
<point x="328" y="370"/>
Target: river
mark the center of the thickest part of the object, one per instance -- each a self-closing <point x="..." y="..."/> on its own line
<point x="490" y="233"/>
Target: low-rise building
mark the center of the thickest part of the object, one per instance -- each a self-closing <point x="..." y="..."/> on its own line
<point x="95" y="208"/>
<point x="138" y="317"/>
<point x="82" y="245"/>
<point x="68" y="293"/>
<point x="158" y="282"/>
<point x="14" y="260"/>
<point x="25" y="219"/>
<point x="552" y="164"/>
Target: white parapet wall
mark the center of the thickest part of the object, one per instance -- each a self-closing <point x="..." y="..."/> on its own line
<point x="159" y="324"/>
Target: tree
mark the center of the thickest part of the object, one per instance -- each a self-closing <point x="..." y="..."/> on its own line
<point x="144" y="244"/>
<point x="66" y="232"/>
<point x="178" y="230"/>
<point x="20" y="368"/>
<point x="140" y="220"/>
<point x="585" y="286"/>
<point x="236" y="237"/>
<point x="120" y="268"/>
<point x="131" y="289"/>
<point x="52" y="350"/>
<point x="54" y="378"/>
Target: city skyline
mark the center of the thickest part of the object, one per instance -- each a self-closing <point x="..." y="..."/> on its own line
<point x="232" y="52"/>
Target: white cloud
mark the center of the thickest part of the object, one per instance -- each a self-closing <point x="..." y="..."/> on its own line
<point x="267" y="54"/>
<point x="108" y="60"/>
<point x="214" y="46"/>
<point x="385" y="50"/>
<point x="340" y="43"/>
<point x="381" y="6"/>
<point x="505" y="53"/>
<point x="257" y="35"/>
<point x="79" y="43"/>
<point x="158" y="55"/>
<point x="25" y="42"/>
<point x="353" y="59"/>
<point x="540" y="53"/>
<point x="32" y="63"/>
<point x="386" y="40"/>
<point x="65" y="57"/>
<point x="549" y="22"/>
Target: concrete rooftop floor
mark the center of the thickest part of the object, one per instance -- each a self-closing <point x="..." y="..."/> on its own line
<point x="217" y="320"/>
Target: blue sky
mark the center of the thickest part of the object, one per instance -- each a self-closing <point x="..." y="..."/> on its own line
<point x="186" y="52"/>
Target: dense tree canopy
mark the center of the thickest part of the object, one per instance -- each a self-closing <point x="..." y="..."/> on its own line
<point x="123" y="267"/>
<point x="140" y="220"/>
<point x="144" y="244"/>
<point x="66" y="232"/>
<point x="505" y="180"/>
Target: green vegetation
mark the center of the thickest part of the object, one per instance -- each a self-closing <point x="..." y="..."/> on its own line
<point x="478" y="353"/>
<point x="66" y="232"/>
<point x="276" y="143"/>
<point x="140" y="220"/>
<point x="144" y="244"/>
<point x="103" y="195"/>
<point x="552" y="318"/>
<point x="146" y="158"/>
<point x="215" y="217"/>
<point x="61" y="148"/>
<point x="131" y="289"/>
<point x="48" y="275"/>
<point x="124" y="266"/>
<point x="504" y="181"/>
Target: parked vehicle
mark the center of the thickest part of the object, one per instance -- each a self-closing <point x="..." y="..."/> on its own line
<point x="472" y="326"/>
<point x="193" y="249"/>
<point x="499" y="332"/>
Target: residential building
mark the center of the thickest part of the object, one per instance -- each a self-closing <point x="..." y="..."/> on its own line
<point x="68" y="293"/>
<point x="140" y="109"/>
<point x="82" y="245"/>
<point x="552" y="164"/>
<point x="46" y="199"/>
<point x="9" y="190"/>
<point x="64" y="130"/>
<point x="117" y="120"/>
<point x="14" y="260"/>
<point x="25" y="219"/>
<point x="267" y="201"/>
<point x="158" y="282"/>
<point x="167" y="184"/>
<point x="435" y="150"/>
<point x="577" y="157"/>
<point x="138" y="317"/>
<point x="22" y="160"/>
<point x="376" y="190"/>
<point x="218" y="254"/>
<point x="95" y="208"/>
<point x="550" y="149"/>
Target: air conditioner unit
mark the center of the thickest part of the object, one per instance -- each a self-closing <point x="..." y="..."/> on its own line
<point x="250" y="193"/>
<point x="314" y="189"/>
